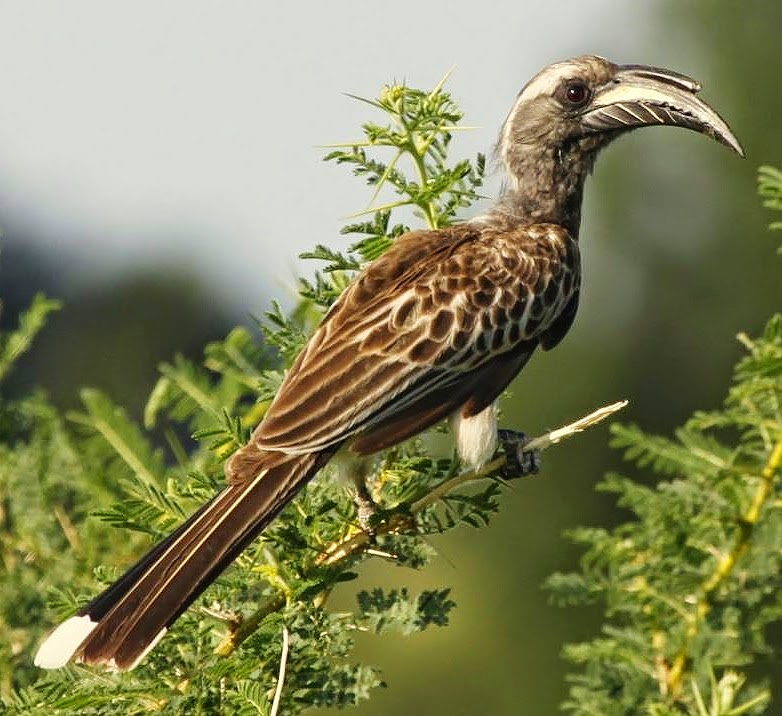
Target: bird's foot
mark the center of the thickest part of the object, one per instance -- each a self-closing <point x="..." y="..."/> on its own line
<point x="518" y="461"/>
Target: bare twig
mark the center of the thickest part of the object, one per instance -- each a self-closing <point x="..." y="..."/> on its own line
<point x="237" y="634"/>
<point x="281" y="675"/>
<point x="542" y="442"/>
<point x="68" y="528"/>
<point x="552" y="438"/>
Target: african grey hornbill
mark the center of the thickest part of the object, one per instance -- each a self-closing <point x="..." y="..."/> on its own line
<point x="435" y="328"/>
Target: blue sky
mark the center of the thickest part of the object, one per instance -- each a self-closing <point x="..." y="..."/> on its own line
<point x="187" y="132"/>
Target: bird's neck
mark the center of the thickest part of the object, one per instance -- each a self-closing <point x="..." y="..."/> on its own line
<point x="544" y="185"/>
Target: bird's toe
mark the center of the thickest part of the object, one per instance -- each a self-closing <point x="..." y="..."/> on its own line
<point x="518" y="461"/>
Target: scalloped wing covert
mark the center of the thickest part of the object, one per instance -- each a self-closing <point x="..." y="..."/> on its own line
<point x="414" y="330"/>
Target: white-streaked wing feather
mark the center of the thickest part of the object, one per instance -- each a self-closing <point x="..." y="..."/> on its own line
<point x="399" y="335"/>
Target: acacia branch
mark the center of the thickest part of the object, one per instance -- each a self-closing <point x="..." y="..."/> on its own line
<point x="542" y="442"/>
<point x="724" y="567"/>
<point x="358" y="540"/>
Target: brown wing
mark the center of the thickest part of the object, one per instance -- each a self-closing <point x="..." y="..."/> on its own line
<point x="472" y="393"/>
<point x="407" y="342"/>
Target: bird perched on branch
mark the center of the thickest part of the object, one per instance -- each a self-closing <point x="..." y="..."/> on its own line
<point x="435" y="328"/>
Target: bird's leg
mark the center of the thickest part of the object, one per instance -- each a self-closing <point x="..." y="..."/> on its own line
<point x="356" y="470"/>
<point x="359" y="469"/>
<point x="366" y="507"/>
<point x="518" y="461"/>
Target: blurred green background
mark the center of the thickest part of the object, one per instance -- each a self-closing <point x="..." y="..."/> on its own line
<point x="677" y="261"/>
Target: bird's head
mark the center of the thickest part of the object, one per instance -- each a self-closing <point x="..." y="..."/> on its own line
<point x="572" y="109"/>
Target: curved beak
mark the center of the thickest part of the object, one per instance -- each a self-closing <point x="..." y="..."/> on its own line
<point x="640" y="96"/>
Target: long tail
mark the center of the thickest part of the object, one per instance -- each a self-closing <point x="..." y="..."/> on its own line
<point x="124" y="623"/>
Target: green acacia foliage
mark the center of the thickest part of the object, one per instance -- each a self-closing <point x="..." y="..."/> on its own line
<point x="691" y="583"/>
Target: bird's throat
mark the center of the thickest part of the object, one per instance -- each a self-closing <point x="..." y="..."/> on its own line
<point x="544" y="186"/>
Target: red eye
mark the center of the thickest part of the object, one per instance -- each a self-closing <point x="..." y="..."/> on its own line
<point x="576" y="93"/>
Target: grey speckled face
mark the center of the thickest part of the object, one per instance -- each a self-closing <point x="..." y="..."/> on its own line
<point x="589" y="95"/>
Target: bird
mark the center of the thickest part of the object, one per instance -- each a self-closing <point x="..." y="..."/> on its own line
<point x="436" y="328"/>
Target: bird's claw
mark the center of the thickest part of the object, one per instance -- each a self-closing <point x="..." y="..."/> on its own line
<point x="518" y="461"/>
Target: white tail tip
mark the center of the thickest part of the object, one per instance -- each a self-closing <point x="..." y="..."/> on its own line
<point x="62" y="643"/>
